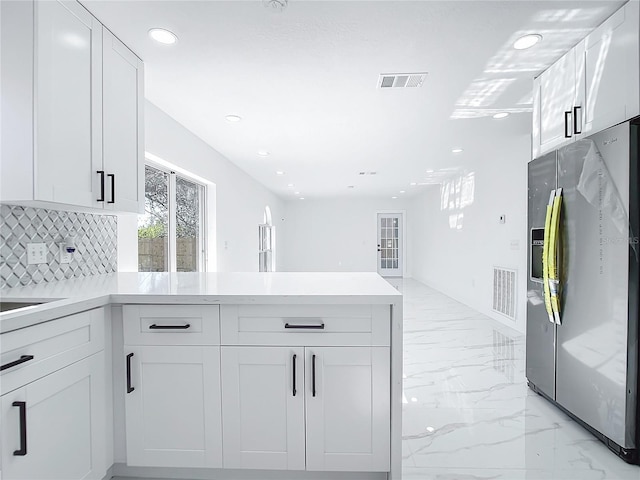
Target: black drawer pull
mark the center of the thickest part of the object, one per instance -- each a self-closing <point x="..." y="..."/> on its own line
<point x="113" y="188"/>
<point x="313" y="375"/>
<point x="22" y="359"/>
<point x="294" y="375"/>
<point x="169" y="327"/>
<point x="23" y="429"/>
<point x="101" y="173"/>
<point x="129" y="387"/>
<point x="313" y="327"/>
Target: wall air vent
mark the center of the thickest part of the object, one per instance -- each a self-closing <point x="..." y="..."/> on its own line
<point x="401" y="80"/>
<point x="504" y="291"/>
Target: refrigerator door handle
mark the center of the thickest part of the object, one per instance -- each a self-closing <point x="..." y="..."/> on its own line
<point x="553" y="257"/>
<point x="545" y="257"/>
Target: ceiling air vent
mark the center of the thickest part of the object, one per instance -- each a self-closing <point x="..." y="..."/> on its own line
<point x="401" y="80"/>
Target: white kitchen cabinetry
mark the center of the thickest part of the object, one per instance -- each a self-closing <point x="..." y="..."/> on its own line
<point x="263" y="404"/>
<point x="122" y="127"/>
<point x="612" y="66"/>
<point x="172" y="375"/>
<point x="53" y="410"/>
<point x="335" y="416"/>
<point x="592" y="87"/>
<point x="347" y="409"/>
<point x="56" y="79"/>
<point x="53" y="428"/>
<point x="173" y="406"/>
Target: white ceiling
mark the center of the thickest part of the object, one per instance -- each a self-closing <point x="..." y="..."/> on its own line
<point x="304" y="81"/>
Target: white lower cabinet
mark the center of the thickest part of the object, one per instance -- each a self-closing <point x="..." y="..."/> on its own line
<point x="347" y="409"/>
<point x="173" y="416"/>
<point x="53" y="428"/>
<point x="263" y="405"/>
<point x="344" y="391"/>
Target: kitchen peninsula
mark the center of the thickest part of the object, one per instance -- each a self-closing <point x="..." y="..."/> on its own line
<point x="200" y="374"/>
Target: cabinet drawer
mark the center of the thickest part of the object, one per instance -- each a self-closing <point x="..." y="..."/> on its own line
<point x="53" y="345"/>
<point x="171" y="324"/>
<point x="306" y="325"/>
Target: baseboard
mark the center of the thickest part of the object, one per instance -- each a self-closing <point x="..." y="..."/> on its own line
<point x="124" y="472"/>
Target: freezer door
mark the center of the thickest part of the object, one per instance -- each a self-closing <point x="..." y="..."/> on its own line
<point x="540" y="332"/>
<point x="591" y="373"/>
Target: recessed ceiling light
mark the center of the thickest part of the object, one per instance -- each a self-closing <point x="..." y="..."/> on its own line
<point x="301" y="198"/>
<point x="401" y="191"/>
<point x="527" y="41"/>
<point x="430" y="171"/>
<point x="413" y="184"/>
<point x="290" y="185"/>
<point x="279" y="173"/>
<point x="394" y="197"/>
<point x="163" y="36"/>
<point x="263" y="153"/>
<point x="296" y="193"/>
<point x="501" y="115"/>
<point x="233" y="118"/>
<point x="456" y="150"/>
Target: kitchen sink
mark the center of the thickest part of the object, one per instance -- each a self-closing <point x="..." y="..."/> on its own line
<point x="7" y="306"/>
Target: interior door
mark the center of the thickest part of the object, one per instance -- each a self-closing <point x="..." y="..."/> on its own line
<point x="347" y="403"/>
<point x="263" y="401"/>
<point x="390" y="243"/>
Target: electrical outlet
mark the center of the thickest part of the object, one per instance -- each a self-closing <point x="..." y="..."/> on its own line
<point x="65" y="257"/>
<point x="503" y="218"/>
<point x="36" y="253"/>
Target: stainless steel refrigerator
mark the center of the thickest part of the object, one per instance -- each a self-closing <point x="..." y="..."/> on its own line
<point x="582" y="329"/>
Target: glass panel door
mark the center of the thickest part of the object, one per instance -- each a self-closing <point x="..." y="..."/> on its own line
<point x="390" y="244"/>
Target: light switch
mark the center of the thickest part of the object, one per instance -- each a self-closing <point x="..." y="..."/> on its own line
<point x="36" y="253"/>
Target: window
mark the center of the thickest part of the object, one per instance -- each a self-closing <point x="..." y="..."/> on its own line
<point x="171" y="231"/>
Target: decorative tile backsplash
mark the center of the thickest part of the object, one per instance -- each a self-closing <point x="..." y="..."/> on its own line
<point x="96" y="244"/>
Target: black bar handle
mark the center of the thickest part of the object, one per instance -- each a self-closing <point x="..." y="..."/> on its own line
<point x="313" y="375"/>
<point x="113" y="188"/>
<point x="22" y="359"/>
<point x="169" y="327"/>
<point x="577" y="129"/>
<point x="23" y="429"/>
<point x="101" y="173"/>
<point x="129" y="387"/>
<point x="313" y="327"/>
<point x="567" y="124"/>
<point x="294" y="374"/>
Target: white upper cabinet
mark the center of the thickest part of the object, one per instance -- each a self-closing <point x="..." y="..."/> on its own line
<point x="56" y="78"/>
<point x="592" y="87"/>
<point x="612" y="70"/>
<point x="122" y="127"/>
<point x="67" y="93"/>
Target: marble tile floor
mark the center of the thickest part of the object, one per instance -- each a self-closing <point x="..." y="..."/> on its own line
<point x="468" y="413"/>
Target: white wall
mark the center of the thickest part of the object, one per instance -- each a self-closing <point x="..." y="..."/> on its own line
<point x="459" y="262"/>
<point x="239" y="199"/>
<point x="335" y="235"/>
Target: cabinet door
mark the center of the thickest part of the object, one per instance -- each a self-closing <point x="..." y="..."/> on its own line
<point x="122" y="127"/>
<point x="263" y="413"/>
<point x="68" y="99"/>
<point x="173" y="407"/>
<point x="65" y="425"/>
<point x="612" y="70"/>
<point x="347" y="407"/>
<point x="557" y="95"/>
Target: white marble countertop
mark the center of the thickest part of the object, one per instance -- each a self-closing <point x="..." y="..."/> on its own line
<point x="66" y="297"/>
